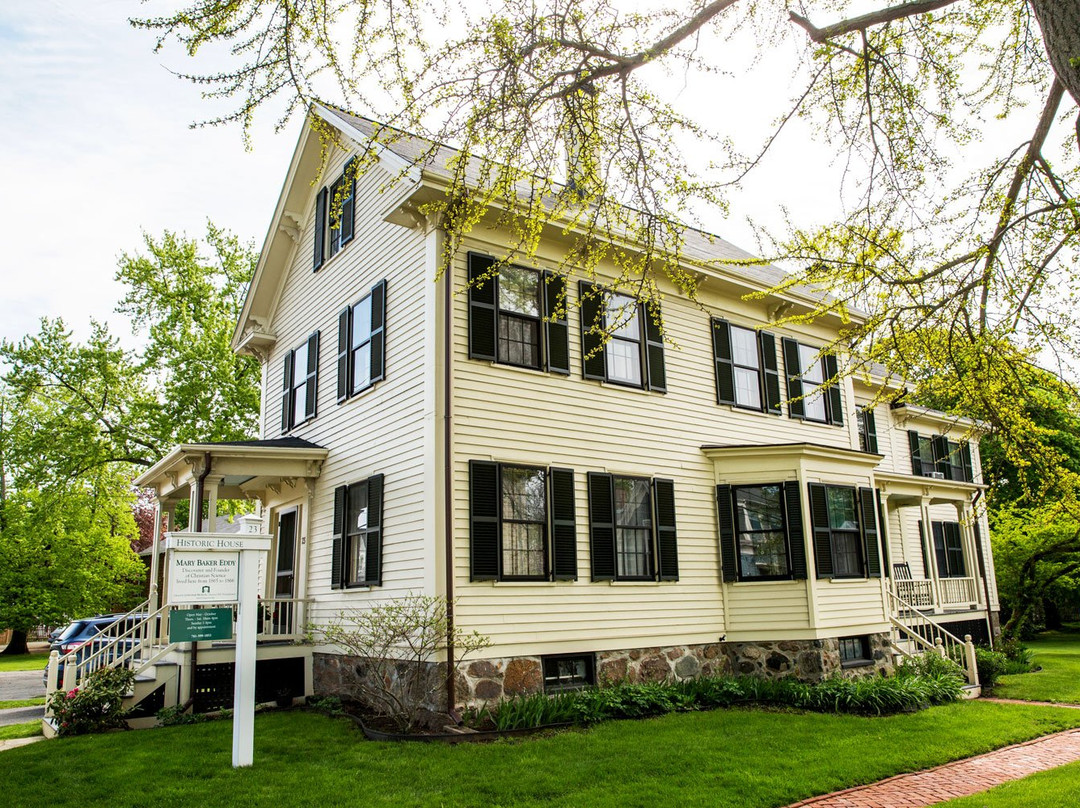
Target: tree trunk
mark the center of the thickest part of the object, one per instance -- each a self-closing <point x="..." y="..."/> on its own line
<point x="17" y="644"/>
<point x="1051" y="614"/>
<point x="1060" y="24"/>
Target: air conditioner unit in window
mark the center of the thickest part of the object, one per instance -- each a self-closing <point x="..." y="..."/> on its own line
<point x="937" y="475"/>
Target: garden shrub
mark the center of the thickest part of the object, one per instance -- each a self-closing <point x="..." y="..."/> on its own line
<point x="991" y="665"/>
<point x="94" y="707"/>
<point x="1019" y="658"/>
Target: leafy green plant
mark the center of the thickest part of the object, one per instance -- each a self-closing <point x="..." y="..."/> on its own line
<point x="1018" y="657"/>
<point x="178" y="715"/>
<point x="94" y="707"/>
<point x="330" y="705"/>
<point x="991" y="665"/>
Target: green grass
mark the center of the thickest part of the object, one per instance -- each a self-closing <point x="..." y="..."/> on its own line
<point x="1058" y="652"/>
<point x="8" y="705"/>
<point x="24" y="662"/>
<point x="27" y="730"/>
<point x="1055" y="788"/>
<point x="746" y="758"/>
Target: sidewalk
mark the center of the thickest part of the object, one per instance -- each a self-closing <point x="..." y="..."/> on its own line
<point x="959" y="778"/>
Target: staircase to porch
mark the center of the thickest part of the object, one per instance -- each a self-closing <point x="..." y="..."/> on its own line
<point x="915" y="633"/>
<point x="139" y="642"/>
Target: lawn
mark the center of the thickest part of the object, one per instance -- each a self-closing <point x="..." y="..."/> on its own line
<point x="1059" y="680"/>
<point x="746" y="758"/>
<point x="24" y="662"/>
<point x="1050" y="789"/>
<point x="27" y="730"/>
<point x="7" y="705"/>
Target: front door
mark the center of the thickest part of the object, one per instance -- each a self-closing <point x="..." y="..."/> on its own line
<point x="285" y="571"/>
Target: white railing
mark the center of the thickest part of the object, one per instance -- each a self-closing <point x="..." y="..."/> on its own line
<point x="958" y="591"/>
<point x="926" y="636"/>
<point x="919" y="594"/>
<point x="281" y="619"/>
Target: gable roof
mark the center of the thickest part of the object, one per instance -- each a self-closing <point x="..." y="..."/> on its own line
<point x="412" y="163"/>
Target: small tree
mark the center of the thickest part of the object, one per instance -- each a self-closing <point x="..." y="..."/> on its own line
<point x="396" y="641"/>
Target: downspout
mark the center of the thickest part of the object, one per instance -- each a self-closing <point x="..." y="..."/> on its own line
<point x="448" y="496"/>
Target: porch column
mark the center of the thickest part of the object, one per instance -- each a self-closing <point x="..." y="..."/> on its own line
<point x="211" y="485"/>
<point x="155" y="547"/>
<point x="965" y="514"/>
<point x="929" y="554"/>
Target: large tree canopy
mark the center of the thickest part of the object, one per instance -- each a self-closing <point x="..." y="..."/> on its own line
<point x="78" y="418"/>
<point x="965" y="266"/>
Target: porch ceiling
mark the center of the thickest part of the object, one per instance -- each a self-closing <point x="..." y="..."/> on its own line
<point x="906" y="489"/>
<point x="240" y="470"/>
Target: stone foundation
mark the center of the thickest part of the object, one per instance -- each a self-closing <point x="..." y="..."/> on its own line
<point x="488" y="680"/>
<point x="337" y="675"/>
<point x="806" y="660"/>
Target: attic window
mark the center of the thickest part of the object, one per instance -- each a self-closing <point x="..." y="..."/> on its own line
<point x="335" y="208"/>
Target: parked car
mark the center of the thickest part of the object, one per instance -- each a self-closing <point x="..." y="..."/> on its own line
<point x="88" y="634"/>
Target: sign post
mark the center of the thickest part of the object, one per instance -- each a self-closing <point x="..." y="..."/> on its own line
<point x="215" y="568"/>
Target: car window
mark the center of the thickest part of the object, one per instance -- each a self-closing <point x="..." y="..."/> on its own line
<point x="73" y="630"/>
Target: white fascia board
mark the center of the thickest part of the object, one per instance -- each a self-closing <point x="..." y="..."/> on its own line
<point x="394" y="163"/>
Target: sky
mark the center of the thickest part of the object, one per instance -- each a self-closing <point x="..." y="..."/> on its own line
<point x="96" y="149"/>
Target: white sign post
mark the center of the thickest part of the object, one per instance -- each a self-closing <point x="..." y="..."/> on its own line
<point x="202" y="567"/>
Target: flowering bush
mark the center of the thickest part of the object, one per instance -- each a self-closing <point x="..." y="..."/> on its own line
<point x="94" y="707"/>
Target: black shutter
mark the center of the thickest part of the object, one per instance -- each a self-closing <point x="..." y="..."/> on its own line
<point x="378" y="331"/>
<point x="667" y="551"/>
<point x="871" y="429"/>
<point x="602" y="525"/>
<point x="916" y="457"/>
<point x="286" y="394"/>
<point x="795" y="533"/>
<point x="348" y="202"/>
<point x="373" y="571"/>
<point x="793" y="371"/>
<point x="312" y="370"/>
<point x="343" y="375"/>
<point x="483" y="520"/>
<point x="941" y="456"/>
<point x="954" y="549"/>
<point x="729" y="552"/>
<point x="320" y="229"/>
<point x="337" y="553"/>
<point x="555" y="328"/>
<point x="836" y="400"/>
<point x="563" y="525"/>
<point x="770" y="375"/>
<point x="725" y="368"/>
<point x="938" y="531"/>
<point x="870" y="532"/>
<point x="482" y="315"/>
<point x="819" y="519"/>
<point x="979" y="549"/>
<point x="925" y="551"/>
<point x="654" y="346"/>
<point x="593" y="365"/>
<point x="965" y="461"/>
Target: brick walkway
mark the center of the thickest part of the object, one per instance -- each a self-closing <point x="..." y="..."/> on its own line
<point x="959" y="778"/>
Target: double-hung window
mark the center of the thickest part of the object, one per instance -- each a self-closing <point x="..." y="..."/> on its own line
<point x="362" y="343"/>
<point x="940" y="457"/>
<point x="867" y="426"/>
<point x="299" y="388"/>
<point x="335" y="207"/>
<point x="522" y="523"/>
<point x="813" y="388"/>
<point x="746" y="368"/>
<point x="845" y="529"/>
<point x="621" y="339"/>
<point x="949" y="549"/>
<point x="517" y="316"/>
<point x="357" y="545"/>
<point x="632" y="528"/>
<point x="761" y="532"/>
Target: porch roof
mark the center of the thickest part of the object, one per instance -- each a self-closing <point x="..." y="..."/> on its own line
<point x="239" y="469"/>
<point x="901" y="487"/>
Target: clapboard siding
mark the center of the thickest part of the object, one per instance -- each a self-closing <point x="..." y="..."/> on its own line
<point x="379" y="430"/>
<point x="534" y="418"/>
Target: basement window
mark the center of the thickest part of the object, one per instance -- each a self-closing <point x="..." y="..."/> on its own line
<point x="855" y="652"/>
<point x="568" y="672"/>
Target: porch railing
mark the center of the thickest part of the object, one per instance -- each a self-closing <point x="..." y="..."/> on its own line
<point x="920" y="594"/>
<point x="282" y="619"/>
<point x="958" y="591"/>
<point x="923" y="635"/>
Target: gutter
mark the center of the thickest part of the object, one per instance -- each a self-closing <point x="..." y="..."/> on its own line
<point x="448" y="493"/>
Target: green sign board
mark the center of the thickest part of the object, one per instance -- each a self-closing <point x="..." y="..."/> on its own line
<point x="196" y="625"/>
